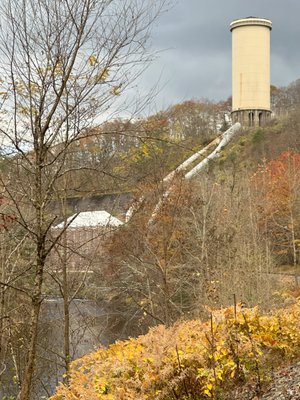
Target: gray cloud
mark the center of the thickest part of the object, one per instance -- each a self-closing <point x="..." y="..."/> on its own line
<point x="195" y="40"/>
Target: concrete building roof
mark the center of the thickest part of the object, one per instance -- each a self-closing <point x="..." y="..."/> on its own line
<point x="91" y="219"/>
<point x="251" y="21"/>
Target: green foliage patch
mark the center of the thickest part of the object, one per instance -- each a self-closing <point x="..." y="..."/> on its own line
<point x="258" y="136"/>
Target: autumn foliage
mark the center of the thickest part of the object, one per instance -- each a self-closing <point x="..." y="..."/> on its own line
<point x="280" y="180"/>
<point x="191" y="360"/>
<point x="6" y="216"/>
<point x="277" y="193"/>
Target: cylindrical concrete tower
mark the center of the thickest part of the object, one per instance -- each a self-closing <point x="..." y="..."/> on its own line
<point x="251" y="70"/>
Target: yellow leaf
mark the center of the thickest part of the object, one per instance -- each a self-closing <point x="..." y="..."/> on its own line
<point x="92" y="60"/>
<point x="102" y="75"/>
<point x="116" y="90"/>
<point x="220" y="375"/>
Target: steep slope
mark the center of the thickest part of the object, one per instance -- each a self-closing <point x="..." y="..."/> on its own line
<point x="256" y="145"/>
<point x="236" y="348"/>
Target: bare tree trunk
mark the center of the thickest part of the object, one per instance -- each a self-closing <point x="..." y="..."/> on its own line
<point x="30" y="363"/>
<point x="66" y="300"/>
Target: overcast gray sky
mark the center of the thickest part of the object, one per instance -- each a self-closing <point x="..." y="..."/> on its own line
<point x="196" y="42"/>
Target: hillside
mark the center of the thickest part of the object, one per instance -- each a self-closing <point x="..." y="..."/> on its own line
<point x="232" y="231"/>
<point x="104" y="236"/>
<point x="257" y="145"/>
<point x="238" y="348"/>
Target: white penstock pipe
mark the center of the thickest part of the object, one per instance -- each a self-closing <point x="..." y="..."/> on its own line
<point x="136" y="205"/>
<point x="227" y="136"/>
<point x="191" y="159"/>
<point x="220" y="142"/>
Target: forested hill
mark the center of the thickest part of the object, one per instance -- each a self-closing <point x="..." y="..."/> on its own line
<point x="228" y="238"/>
<point x="73" y="278"/>
<point x="120" y="154"/>
<point x="233" y="229"/>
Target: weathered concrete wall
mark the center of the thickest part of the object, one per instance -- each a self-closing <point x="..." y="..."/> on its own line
<point x="115" y="203"/>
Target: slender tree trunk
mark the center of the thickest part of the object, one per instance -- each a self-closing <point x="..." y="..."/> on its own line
<point x="33" y="337"/>
<point x="2" y="312"/>
<point x="66" y="300"/>
<point x="39" y="274"/>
